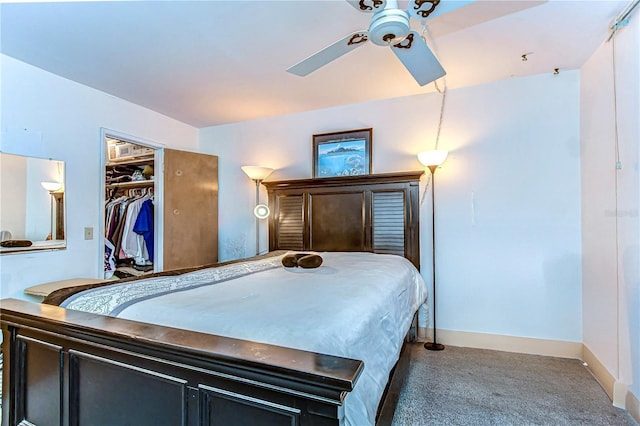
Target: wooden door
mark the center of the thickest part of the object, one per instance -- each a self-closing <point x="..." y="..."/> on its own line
<point x="190" y="209"/>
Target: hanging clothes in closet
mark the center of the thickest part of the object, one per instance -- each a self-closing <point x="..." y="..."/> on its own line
<point x="133" y="245"/>
<point x="144" y="225"/>
<point x="129" y="227"/>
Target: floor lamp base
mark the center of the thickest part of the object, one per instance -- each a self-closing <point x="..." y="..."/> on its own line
<point x="434" y="346"/>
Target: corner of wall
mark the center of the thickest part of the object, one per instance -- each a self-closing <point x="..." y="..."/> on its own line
<point x="617" y="391"/>
<point x="599" y="371"/>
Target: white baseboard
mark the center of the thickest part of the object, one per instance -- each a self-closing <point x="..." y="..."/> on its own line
<point x="499" y="342"/>
<point x="599" y="371"/>
<point x="617" y="391"/>
<point x="632" y="405"/>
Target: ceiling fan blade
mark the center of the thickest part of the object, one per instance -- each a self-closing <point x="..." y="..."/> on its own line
<point x="329" y="53"/>
<point x="370" y="6"/>
<point x="427" y="9"/>
<point x="419" y="60"/>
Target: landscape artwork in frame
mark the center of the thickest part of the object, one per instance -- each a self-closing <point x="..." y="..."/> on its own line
<point x="342" y="153"/>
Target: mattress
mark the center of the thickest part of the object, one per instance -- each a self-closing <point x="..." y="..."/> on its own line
<point x="355" y="305"/>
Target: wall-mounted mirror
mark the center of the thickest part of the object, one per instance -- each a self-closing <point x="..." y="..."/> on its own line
<point x="31" y="204"/>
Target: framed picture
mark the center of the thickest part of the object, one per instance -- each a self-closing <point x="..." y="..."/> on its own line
<point x="342" y="153"/>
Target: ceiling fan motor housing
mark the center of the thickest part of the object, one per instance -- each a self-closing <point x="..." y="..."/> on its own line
<point x="389" y="26"/>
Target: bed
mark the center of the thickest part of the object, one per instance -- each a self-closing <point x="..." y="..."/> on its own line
<point x="131" y="353"/>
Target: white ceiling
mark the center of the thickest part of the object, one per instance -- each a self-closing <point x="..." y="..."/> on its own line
<point x="213" y="62"/>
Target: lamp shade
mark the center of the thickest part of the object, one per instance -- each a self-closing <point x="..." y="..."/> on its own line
<point x="51" y="186"/>
<point x="257" y="172"/>
<point x="434" y="157"/>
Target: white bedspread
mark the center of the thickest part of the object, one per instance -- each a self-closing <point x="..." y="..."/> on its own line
<point x="356" y="305"/>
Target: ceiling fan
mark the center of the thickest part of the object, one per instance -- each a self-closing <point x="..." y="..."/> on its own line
<point x="390" y="27"/>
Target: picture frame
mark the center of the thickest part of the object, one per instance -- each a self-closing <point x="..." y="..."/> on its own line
<point x="346" y="153"/>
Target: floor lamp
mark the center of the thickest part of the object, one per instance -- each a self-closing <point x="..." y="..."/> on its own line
<point x="261" y="211"/>
<point x="51" y="187"/>
<point x="432" y="159"/>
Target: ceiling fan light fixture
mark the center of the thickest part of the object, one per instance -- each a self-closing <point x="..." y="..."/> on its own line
<point x="389" y="26"/>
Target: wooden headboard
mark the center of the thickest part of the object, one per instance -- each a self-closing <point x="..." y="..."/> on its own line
<point x="375" y="213"/>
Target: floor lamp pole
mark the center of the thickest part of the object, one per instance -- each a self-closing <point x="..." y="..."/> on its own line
<point x="433" y="346"/>
<point x="51" y="220"/>
<point x="258" y="174"/>
<point x="256" y="218"/>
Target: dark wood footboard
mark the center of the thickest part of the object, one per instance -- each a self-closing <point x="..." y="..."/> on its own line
<point x="64" y="367"/>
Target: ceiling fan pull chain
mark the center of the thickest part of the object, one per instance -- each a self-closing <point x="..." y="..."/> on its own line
<point x="444" y="96"/>
<point x="428" y="40"/>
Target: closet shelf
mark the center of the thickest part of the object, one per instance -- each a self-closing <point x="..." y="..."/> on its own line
<point x="134" y="184"/>
<point x="131" y="162"/>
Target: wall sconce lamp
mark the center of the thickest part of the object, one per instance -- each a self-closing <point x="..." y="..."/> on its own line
<point x="432" y="159"/>
<point x="261" y="211"/>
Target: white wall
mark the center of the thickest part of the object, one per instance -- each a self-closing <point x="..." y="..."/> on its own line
<point x="13" y="195"/>
<point x="48" y="116"/>
<point x="610" y="206"/>
<point x="508" y="197"/>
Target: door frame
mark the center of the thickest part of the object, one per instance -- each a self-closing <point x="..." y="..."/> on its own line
<point x="158" y="194"/>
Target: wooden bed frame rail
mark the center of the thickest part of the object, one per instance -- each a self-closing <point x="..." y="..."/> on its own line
<point x="65" y="367"/>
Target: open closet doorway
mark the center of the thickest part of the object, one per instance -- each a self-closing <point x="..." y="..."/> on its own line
<point x="181" y="185"/>
<point x="132" y="240"/>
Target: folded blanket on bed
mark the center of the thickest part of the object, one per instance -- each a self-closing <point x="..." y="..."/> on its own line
<point x="57" y="297"/>
<point x="111" y="300"/>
